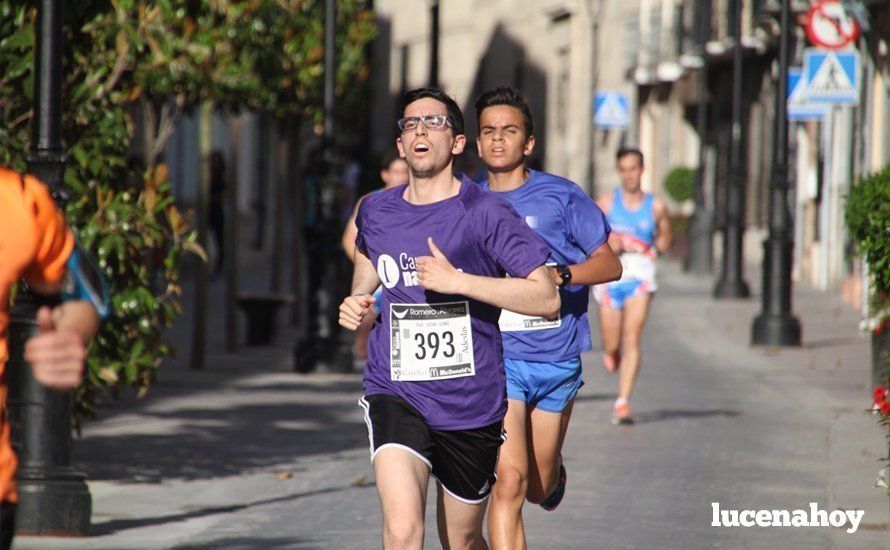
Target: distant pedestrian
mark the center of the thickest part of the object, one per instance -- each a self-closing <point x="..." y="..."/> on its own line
<point x="641" y="230"/>
<point x="217" y="214"/>
<point x="393" y="172"/>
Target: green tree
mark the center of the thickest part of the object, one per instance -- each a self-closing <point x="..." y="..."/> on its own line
<point x="680" y="183"/>
<point x="867" y="215"/>
<point x="162" y="58"/>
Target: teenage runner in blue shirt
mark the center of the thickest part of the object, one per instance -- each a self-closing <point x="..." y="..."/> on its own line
<point x="542" y="356"/>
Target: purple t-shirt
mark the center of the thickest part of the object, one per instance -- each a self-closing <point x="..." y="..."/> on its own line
<point x="423" y="353"/>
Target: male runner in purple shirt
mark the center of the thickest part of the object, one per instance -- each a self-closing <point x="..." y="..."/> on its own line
<point x="434" y="384"/>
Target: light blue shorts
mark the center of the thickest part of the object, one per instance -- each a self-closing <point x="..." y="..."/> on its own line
<point x="549" y="386"/>
<point x="614" y="294"/>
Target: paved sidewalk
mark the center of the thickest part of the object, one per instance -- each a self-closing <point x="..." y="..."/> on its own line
<point x="248" y="454"/>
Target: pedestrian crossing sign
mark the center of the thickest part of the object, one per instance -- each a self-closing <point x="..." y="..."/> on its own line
<point x="610" y="110"/>
<point x="832" y="76"/>
<point x="799" y="107"/>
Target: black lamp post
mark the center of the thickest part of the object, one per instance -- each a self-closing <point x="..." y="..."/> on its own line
<point x="323" y="345"/>
<point x="434" y="43"/>
<point x="701" y="252"/>
<point x="53" y="497"/>
<point x="776" y="325"/>
<point x="731" y="284"/>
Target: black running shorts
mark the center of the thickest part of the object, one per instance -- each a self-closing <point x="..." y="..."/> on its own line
<point x="463" y="461"/>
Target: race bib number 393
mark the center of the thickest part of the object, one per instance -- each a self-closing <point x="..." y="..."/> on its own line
<point x="430" y="341"/>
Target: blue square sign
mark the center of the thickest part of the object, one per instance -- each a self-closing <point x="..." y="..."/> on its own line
<point x="832" y="76"/>
<point x="799" y="108"/>
<point x="610" y="110"/>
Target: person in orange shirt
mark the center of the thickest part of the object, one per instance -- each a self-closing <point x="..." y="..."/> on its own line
<point x="36" y="245"/>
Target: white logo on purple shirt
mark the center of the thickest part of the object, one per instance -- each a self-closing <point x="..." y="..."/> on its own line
<point x="387" y="270"/>
<point x="391" y="271"/>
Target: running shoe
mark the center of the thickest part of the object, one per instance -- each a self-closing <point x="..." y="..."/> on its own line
<point x="621" y="415"/>
<point x="552" y="501"/>
<point x="612" y="361"/>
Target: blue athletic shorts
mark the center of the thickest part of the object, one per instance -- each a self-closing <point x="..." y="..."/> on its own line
<point x="547" y="386"/>
<point x="613" y="295"/>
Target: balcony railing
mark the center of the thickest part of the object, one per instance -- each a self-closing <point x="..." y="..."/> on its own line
<point x="666" y="36"/>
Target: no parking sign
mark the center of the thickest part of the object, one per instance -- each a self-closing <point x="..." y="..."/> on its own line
<point x="830" y="25"/>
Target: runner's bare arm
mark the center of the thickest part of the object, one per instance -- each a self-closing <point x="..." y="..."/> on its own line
<point x="664" y="237"/>
<point x="364" y="282"/>
<point x="350" y="232"/>
<point x="605" y="204"/>
<point x="532" y="295"/>
<point x="601" y="266"/>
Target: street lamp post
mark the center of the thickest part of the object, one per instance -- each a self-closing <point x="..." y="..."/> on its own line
<point x="323" y="344"/>
<point x="701" y="252"/>
<point x="776" y="325"/>
<point x="53" y="497"/>
<point x="731" y="284"/>
<point x="434" y="43"/>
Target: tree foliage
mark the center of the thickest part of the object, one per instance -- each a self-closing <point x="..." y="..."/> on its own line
<point x="867" y="215"/>
<point x="160" y="58"/>
<point x="680" y="183"/>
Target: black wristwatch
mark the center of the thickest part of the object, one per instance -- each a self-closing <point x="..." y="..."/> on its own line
<point x="565" y="274"/>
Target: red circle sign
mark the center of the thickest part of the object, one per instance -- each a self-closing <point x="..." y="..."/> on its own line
<point x="830" y="25"/>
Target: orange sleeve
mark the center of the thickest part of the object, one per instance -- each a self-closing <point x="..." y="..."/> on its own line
<point x="54" y="241"/>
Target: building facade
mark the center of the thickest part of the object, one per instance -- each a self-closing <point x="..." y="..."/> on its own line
<point x="542" y="48"/>
<point x="559" y="53"/>
<point x="826" y="157"/>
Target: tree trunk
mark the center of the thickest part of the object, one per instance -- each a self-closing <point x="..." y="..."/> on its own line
<point x="158" y="124"/>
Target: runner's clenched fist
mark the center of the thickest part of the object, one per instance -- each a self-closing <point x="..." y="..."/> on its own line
<point x="353" y="310"/>
<point x="56" y="356"/>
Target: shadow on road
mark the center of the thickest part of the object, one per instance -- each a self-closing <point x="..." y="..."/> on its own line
<point x="830" y="342"/>
<point x="251" y="543"/>
<point x="111" y="527"/>
<point x="673" y="414"/>
<point x="188" y="433"/>
<point x="594" y="396"/>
